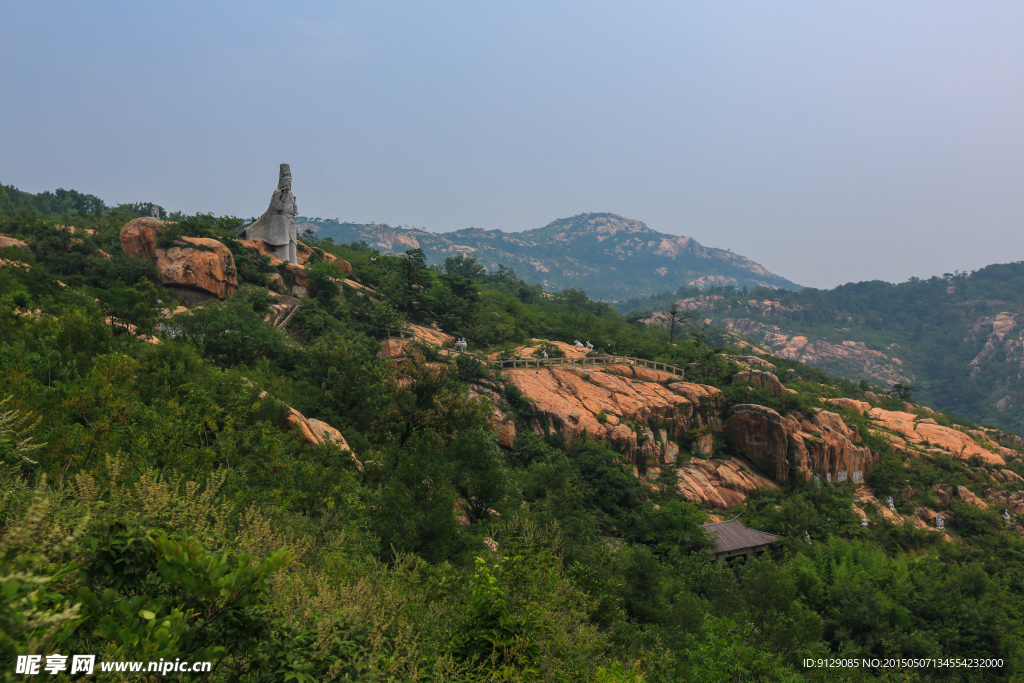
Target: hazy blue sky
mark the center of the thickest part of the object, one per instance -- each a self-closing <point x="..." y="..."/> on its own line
<point x="829" y="141"/>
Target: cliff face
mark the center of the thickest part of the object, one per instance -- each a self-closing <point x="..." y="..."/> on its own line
<point x="822" y="445"/>
<point x="663" y="424"/>
<point x="644" y="413"/>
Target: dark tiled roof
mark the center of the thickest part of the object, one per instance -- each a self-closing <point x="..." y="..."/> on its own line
<point x="732" y="535"/>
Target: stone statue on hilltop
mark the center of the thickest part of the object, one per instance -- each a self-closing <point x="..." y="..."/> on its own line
<point x="276" y="226"/>
<point x="155" y="211"/>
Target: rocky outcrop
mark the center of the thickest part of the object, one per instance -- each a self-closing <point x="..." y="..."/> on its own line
<point x="963" y="493"/>
<point x="821" y="445"/>
<point x="879" y="366"/>
<point x="191" y="265"/>
<point x="258" y="247"/>
<point x="1014" y="502"/>
<point x="316" y="432"/>
<point x="12" y="243"/>
<point x="500" y="420"/>
<point x="200" y="264"/>
<point x="139" y="237"/>
<point x="395" y="347"/>
<point x="759" y="379"/>
<point x="616" y="403"/>
<point x="925" y="433"/>
<point x="760" y="434"/>
<point x="719" y="483"/>
<point x="753" y="363"/>
<point x="281" y="311"/>
<point x="824" y="446"/>
<point x="305" y="253"/>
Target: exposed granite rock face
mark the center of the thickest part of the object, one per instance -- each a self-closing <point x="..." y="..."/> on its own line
<point x="759" y="379"/>
<point x="823" y="445"/>
<point x="826" y="447"/>
<point x="719" y="483"/>
<point x="304" y="253"/>
<point x="760" y="434"/>
<point x="879" y="366"/>
<point x="926" y="433"/>
<point x="315" y="432"/>
<point x="202" y="264"/>
<point x="139" y="237"/>
<point x="258" y="247"/>
<point x="860" y="406"/>
<point x="1014" y="502"/>
<point x="501" y="421"/>
<point x="753" y="363"/>
<point x="395" y="347"/>
<point x="295" y="279"/>
<point x="9" y="242"/>
<point x="281" y="311"/>
<point x="614" y="404"/>
<point x="191" y="265"/>
<point x="392" y="348"/>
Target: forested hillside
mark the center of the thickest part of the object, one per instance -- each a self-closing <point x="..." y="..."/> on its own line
<point x="291" y="470"/>
<point x="608" y="256"/>
<point x="957" y="338"/>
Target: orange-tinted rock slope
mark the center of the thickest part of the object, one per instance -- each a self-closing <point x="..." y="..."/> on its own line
<point x="191" y="265"/>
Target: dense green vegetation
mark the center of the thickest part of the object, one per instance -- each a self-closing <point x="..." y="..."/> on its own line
<point x="157" y="505"/>
<point x="926" y="323"/>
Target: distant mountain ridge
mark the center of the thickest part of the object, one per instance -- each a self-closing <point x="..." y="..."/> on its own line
<point x="607" y="255"/>
<point x="958" y="338"/>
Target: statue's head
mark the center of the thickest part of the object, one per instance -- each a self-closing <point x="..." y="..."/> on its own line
<point x="284" y="180"/>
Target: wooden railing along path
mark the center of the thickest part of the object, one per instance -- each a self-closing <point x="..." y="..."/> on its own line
<point x="541" y="363"/>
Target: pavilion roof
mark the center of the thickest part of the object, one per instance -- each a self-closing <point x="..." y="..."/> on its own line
<point x="733" y="535"/>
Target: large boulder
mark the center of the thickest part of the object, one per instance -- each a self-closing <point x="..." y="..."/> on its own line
<point x="316" y="432"/>
<point x="139" y="237"/>
<point x="199" y="263"/>
<point x="191" y="265"/>
<point x="759" y="379"/>
<point x="760" y="434"/>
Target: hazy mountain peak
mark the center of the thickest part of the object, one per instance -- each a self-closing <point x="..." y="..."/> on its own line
<point x="608" y="255"/>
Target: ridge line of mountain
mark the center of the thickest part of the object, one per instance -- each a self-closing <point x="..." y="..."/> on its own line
<point x="609" y="256"/>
